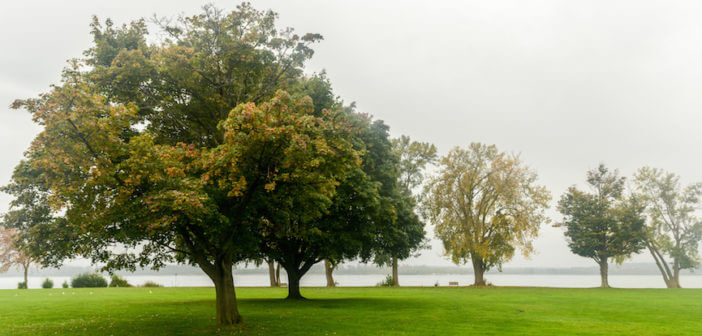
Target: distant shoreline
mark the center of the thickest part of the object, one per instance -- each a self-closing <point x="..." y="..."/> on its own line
<point x="361" y="269"/>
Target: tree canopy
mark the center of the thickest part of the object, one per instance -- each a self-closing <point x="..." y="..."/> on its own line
<point x="407" y="236"/>
<point x="181" y="150"/>
<point x="485" y="204"/>
<point x="603" y="224"/>
<point x="673" y="229"/>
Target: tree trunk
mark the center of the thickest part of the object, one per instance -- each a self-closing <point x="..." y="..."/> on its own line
<point x="478" y="272"/>
<point x="271" y="274"/>
<point x="277" y="274"/>
<point x="604" y="268"/>
<point x="293" y="284"/>
<point x="26" y="270"/>
<point x="660" y="262"/>
<point x="675" y="281"/>
<point x="222" y="277"/>
<point x="328" y="269"/>
<point x="395" y="278"/>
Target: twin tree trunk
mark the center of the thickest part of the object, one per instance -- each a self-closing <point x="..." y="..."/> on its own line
<point x="328" y="269"/>
<point x="671" y="278"/>
<point x="478" y="271"/>
<point x="272" y="274"/>
<point x="395" y="279"/>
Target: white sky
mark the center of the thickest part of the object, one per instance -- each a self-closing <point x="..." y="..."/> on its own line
<point x="566" y="84"/>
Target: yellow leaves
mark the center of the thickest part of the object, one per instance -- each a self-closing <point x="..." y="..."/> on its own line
<point x="485" y="202"/>
<point x="270" y="186"/>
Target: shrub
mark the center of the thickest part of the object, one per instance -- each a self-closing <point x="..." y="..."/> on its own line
<point x="150" y="284"/>
<point x="22" y="285"/>
<point x="386" y="283"/>
<point x="47" y="283"/>
<point x="117" y="281"/>
<point x="65" y="284"/>
<point x="436" y="284"/>
<point x="88" y="280"/>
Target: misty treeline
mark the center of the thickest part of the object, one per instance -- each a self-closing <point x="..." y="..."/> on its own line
<point x="211" y="146"/>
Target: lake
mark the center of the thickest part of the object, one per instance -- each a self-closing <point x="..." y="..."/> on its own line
<point x="261" y="280"/>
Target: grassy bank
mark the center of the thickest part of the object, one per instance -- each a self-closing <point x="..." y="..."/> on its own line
<point x="355" y="311"/>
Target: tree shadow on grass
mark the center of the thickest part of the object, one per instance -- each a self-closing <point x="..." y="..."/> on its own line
<point x="262" y="316"/>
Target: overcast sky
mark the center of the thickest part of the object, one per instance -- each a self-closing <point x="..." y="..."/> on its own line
<point x="567" y="84"/>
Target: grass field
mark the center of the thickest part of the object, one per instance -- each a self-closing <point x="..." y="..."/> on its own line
<point x="355" y="311"/>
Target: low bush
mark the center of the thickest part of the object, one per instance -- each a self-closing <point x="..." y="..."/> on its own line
<point x="47" y="283"/>
<point x="386" y="283"/>
<point x="117" y="281"/>
<point x="65" y="284"/>
<point x="88" y="280"/>
<point x="22" y="285"/>
<point x="150" y="284"/>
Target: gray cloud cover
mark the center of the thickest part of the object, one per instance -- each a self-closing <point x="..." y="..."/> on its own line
<point x="566" y="84"/>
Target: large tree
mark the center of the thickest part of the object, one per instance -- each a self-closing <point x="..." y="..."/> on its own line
<point x="11" y="256"/>
<point x="183" y="149"/>
<point x="399" y="241"/>
<point x="484" y="204"/>
<point x="603" y="224"/>
<point x="674" y="230"/>
<point x="349" y="227"/>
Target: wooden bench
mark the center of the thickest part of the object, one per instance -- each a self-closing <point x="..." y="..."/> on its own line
<point x="453" y="283"/>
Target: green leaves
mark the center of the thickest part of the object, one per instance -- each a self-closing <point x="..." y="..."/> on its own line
<point x="603" y="224"/>
<point x="674" y="227"/>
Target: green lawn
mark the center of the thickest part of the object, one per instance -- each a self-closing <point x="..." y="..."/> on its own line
<point x="355" y="311"/>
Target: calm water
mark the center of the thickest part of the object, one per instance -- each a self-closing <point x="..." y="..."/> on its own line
<point x="257" y="280"/>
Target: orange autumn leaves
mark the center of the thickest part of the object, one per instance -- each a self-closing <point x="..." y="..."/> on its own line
<point x="92" y="150"/>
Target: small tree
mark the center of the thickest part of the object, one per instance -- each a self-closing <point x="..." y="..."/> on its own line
<point x="407" y="235"/>
<point x="603" y="224"/>
<point x="485" y="204"/>
<point x="674" y="230"/>
<point x="48" y="283"/>
<point x="117" y="281"/>
<point x="11" y="256"/>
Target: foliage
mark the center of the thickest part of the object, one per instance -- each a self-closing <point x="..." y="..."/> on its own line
<point x="674" y="230"/>
<point x="484" y="204"/>
<point x="64" y="284"/>
<point x="407" y="234"/>
<point x="603" y="224"/>
<point x="22" y="285"/>
<point x="48" y="283"/>
<point x="117" y="281"/>
<point x="88" y="280"/>
<point x="360" y="209"/>
<point x="178" y="150"/>
<point x="414" y="158"/>
<point x="150" y="284"/>
<point x="387" y="282"/>
<point x="10" y="254"/>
